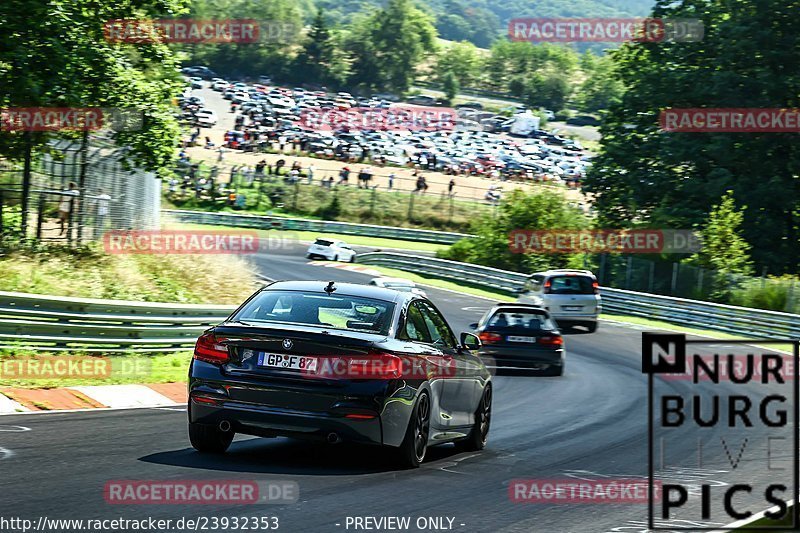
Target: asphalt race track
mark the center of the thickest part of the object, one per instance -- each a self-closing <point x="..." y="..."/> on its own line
<point x="590" y="424"/>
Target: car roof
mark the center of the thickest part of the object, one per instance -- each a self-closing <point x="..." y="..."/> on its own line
<point x="507" y="306"/>
<point x="347" y="289"/>
<point x="388" y="279"/>
<point x="564" y="271"/>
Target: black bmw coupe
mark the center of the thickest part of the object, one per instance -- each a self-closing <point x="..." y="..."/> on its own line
<point x="339" y="362"/>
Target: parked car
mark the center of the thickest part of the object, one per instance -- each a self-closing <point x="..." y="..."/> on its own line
<point x="520" y="337"/>
<point x="571" y="296"/>
<point x="398" y="284"/>
<point x="422" y="99"/>
<point x="331" y="250"/>
<point x="339" y="362"/>
<point x="206" y="118"/>
<point x="196" y="82"/>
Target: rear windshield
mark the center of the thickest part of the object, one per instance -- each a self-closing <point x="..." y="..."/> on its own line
<point x="318" y="309"/>
<point x="571" y="285"/>
<point x="520" y="320"/>
<point x="323" y="242"/>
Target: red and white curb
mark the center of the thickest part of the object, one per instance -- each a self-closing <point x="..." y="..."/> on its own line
<point x="18" y="400"/>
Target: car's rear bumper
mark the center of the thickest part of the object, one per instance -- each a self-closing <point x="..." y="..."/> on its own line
<point x="515" y="358"/>
<point x="362" y="411"/>
<point x="264" y="421"/>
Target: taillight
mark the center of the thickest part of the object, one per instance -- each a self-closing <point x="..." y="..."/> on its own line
<point x="488" y="337"/>
<point x="210" y="349"/>
<point x="596" y="287"/>
<point x="547" y="285"/>
<point x="551" y="340"/>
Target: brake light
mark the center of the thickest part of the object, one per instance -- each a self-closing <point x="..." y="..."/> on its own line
<point x="554" y="340"/>
<point x="547" y="286"/>
<point x="488" y="337"/>
<point x="208" y="348"/>
<point x="596" y="287"/>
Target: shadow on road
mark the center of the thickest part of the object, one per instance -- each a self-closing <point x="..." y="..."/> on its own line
<point x="288" y="456"/>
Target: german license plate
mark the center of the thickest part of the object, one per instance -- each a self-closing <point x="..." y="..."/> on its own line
<point x="287" y="361"/>
<point x="571" y="307"/>
<point x="513" y="338"/>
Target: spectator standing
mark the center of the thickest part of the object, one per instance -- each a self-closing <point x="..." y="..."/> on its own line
<point x="451" y="186"/>
<point x="391" y="181"/>
<point x="310" y="174"/>
<point x="103" y="199"/>
<point x="344" y="176"/>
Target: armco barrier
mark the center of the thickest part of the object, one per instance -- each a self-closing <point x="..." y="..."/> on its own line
<point x="56" y="323"/>
<point x="301" y="224"/>
<point x="740" y="321"/>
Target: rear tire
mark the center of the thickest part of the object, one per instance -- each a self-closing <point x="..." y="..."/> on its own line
<point x="209" y="439"/>
<point x="476" y="441"/>
<point x="592" y="327"/>
<point x="412" y="451"/>
<point x="352" y="258"/>
<point x="335" y="257"/>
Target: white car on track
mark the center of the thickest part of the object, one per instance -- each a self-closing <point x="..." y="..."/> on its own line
<point x="398" y="284"/>
<point x="331" y="250"/>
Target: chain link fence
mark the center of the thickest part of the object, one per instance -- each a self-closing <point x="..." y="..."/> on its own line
<point x="76" y="195"/>
<point x="683" y="280"/>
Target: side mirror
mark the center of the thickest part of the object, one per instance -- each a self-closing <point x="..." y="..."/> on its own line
<point x="470" y="341"/>
<point x="474" y="325"/>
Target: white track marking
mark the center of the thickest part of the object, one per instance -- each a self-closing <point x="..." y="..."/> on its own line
<point x="7" y="405"/>
<point x="125" y="396"/>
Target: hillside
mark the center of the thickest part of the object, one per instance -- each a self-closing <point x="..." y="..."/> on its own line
<point x="481" y="21"/>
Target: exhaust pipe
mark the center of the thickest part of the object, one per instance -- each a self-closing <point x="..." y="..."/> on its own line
<point x="333" y="438"/>
<point x="225" y="426"/>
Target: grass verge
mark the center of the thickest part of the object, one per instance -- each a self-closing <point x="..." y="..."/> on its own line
<point x="89" y="273"/>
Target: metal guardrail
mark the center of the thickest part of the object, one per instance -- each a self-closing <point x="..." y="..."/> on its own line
<point x="56" y="323"/>
<point x="740" y="321"/>
<point x="301" y="224"/>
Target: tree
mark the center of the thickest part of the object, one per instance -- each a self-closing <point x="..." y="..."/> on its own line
<point x="519" y="211"/>
<point x="461" y="59"/>
<point x="450" y="86"/>
<point x="547" y="89"/>
<point x="668" y="179"/>
<point x="602" y="88"/>
<point x="280" y="31"/>
<point x="320" y="60"/>
<point x="65" y="60"/>
<point x="388" y="45"/>
<point x="724" y="249"/>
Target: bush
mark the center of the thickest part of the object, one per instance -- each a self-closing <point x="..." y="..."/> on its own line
<point x="330" y="211"/>
<point x="564" y="114"/>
